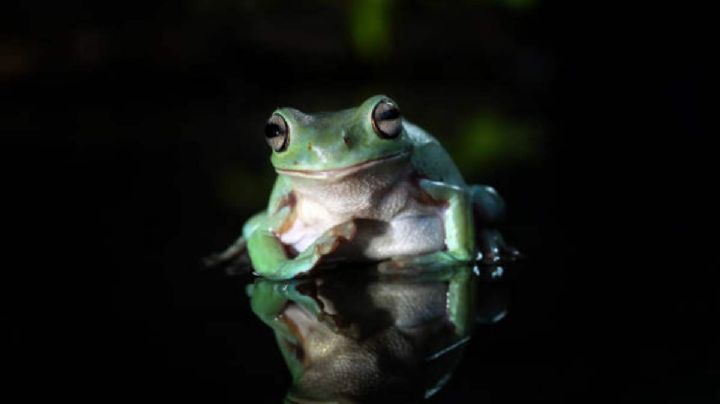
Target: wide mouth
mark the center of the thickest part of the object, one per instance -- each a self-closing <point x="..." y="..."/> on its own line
<point x="342" y="171"/>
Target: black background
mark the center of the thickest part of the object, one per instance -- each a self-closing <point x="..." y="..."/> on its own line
<point x="122" y="122"/>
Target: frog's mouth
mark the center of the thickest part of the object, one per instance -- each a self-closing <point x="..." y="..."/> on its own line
<point x="343" y="171"/>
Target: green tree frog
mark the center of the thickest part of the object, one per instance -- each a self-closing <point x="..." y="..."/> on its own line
<point x="364" y="185"/>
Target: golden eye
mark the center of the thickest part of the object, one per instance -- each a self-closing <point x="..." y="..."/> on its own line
<point x="386" y="120"/>
<point x="276" y="133"/>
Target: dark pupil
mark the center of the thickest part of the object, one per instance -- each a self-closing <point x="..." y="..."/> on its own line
<point x="272" y="130"/>
<point x="389" y="114"/>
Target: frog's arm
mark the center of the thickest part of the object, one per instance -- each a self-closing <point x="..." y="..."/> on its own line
<point x="268" y="254"/>
<point x="457" y="218"/>
<point x="442" y="182"/>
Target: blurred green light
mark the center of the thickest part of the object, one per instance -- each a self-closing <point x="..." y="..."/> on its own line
<point x="489" y="140"/>
<point x="370" y="28"/>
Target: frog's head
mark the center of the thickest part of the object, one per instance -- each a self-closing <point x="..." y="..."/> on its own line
<point x="333" y="145"/>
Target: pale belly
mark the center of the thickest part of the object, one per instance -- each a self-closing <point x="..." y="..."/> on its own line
<point x="376" y="240"/>
<point x="396" y="225"/>
<point x="405" y="235"/>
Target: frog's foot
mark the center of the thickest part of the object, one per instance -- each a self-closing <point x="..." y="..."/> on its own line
<point x="494" y="249"/>
<point x="418" y="263"/>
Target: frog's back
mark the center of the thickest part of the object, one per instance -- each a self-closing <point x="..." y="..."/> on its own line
<point x="431" y="159"/>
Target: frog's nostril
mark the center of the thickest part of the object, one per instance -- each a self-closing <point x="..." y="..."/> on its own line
<point x="347" y="140"/>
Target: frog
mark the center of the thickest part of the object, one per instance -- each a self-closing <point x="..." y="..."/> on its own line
<point x="365" y="184"/>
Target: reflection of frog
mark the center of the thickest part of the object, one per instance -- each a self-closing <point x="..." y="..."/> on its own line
<point x="357" y="337"/>
<point x="364" y="184"/>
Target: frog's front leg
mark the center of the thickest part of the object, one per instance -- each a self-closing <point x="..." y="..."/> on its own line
<point x="489" y="210"/>
<point x="458" y="227"/>
<point x="270" y="259"/>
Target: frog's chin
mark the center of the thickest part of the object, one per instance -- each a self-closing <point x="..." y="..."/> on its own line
<point x="337" y="173"/>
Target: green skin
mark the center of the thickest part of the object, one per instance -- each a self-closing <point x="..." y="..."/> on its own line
<point x="329" y="142"/>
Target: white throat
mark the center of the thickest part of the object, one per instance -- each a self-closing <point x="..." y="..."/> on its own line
<point x="355" y="191"/>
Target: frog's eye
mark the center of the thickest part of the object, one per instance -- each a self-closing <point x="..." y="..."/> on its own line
<point x="276" y="133"/>
<point x="386" y="119"/>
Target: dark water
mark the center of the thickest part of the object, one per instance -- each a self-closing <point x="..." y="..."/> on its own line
<point x="132" y="147"/>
